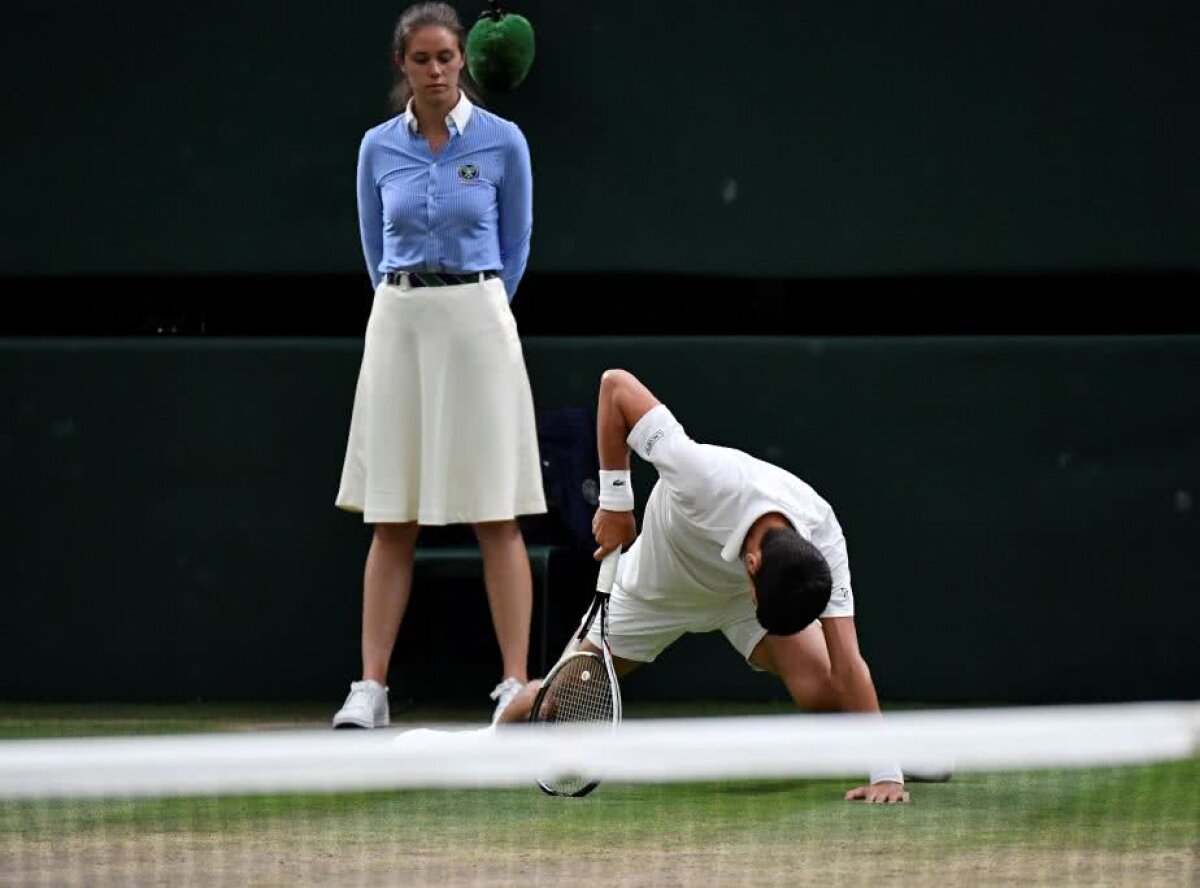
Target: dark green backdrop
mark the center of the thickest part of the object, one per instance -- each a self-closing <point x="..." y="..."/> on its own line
<point x="776" y="138"/>
<point x="1021" y="513"/>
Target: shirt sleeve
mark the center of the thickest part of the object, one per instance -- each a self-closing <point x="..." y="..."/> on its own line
<point x="516" y="211"/>
<point x="695" y="474"/>
<point x="370" y="213"/>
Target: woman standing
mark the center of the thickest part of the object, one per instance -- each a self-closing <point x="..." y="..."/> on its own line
<point x="442" y="430"/>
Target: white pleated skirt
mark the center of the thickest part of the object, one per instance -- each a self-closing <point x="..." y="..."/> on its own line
<point x="443" y="427"/>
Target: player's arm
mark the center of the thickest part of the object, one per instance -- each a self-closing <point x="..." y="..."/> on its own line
<point x="851" y="676"/>
<point x="623" y="400"/>
<point x="856" y="692"/>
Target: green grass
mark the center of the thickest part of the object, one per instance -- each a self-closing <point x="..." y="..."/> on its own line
<point x="20" y="721"/>
<point x="1132" y="808"/>
<point x="1104" y="825"/>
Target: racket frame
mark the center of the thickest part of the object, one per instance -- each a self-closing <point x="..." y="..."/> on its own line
<point x="599" y="608"/>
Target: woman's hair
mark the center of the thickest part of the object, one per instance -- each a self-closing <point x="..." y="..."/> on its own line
<point x="427" y="15"/>
<point x="793" y="583"/>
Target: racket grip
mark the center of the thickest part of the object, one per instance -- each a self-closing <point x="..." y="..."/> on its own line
<point x="608" y="571"/>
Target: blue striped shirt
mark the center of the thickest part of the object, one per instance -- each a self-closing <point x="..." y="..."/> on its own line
<point x="468" y="208"/>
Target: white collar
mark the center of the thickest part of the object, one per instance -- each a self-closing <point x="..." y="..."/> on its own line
<point x="458" y="116"/>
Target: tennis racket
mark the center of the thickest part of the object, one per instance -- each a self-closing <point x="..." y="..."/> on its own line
<point x="582" y="686"/>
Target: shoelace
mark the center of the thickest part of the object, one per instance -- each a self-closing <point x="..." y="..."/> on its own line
<point x="357" y="690"/>
<point x="508" y="686"/>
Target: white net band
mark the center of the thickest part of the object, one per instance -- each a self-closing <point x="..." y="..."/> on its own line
<point x="648" y="750"/>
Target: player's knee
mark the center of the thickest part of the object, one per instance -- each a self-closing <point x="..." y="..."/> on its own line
<point x="527" y="695"/>
<point x="760" y="658"/>
<point x="821" y="701"/>
<point x="814" y="693"/>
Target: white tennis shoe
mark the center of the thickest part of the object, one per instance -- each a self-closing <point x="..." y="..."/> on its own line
<point x="503" y="694"/>
<point x="365" y="707"/>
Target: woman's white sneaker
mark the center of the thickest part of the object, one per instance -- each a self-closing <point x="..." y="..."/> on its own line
<point x="503" y="694"/>
<point x="365" y="707"/>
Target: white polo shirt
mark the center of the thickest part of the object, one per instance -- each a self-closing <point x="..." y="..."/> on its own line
<point x="696" y="519"/>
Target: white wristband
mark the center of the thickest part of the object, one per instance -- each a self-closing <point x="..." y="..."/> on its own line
<point x="891" y="773"/>
<point x="616" y="491"/>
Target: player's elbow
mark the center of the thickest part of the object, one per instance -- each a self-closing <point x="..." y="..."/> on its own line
<point x="618" y="378"/>
<point x="613" y="380"/>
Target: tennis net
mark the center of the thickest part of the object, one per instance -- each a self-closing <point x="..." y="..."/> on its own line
<point x="1039" y="795"/>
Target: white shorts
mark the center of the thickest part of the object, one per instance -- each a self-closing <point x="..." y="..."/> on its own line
<point x="443" y="429"/>
<point x="641" y="630"/>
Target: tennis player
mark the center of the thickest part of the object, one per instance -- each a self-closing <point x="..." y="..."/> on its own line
<point x="728" y="543"/>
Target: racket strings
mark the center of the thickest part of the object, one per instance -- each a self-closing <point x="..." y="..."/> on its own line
<point x="581" y="688"/>
<point x="580" y="692"/>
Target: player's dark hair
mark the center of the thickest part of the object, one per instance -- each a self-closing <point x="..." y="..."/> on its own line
<point x="426" y="15"/>
<point x="793" y="583"/>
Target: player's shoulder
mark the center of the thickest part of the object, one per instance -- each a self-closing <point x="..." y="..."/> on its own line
<point x="769" y="471"/>
<point x="782" y="482"/>
<point x="652" y="427"/>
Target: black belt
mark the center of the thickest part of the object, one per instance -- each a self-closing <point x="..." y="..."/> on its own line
<point x="437" y="278"/>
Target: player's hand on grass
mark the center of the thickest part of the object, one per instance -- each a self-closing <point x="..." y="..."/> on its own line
<point x="883" y="793"/>
<point x="612" y="530"/>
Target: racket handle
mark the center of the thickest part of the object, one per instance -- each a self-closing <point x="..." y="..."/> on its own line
<point x="608" y="571"/>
